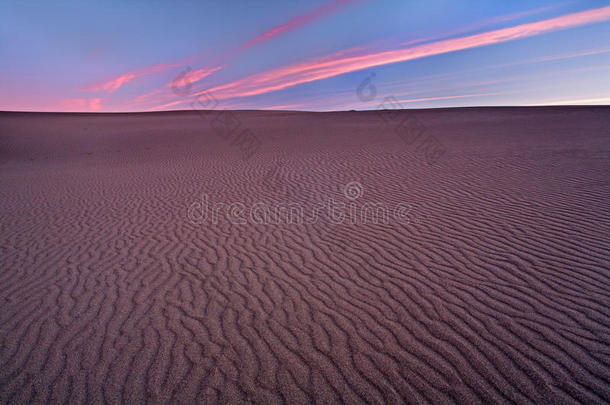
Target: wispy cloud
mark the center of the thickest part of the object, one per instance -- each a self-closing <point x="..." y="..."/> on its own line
<point x="344" y="104"/>
<point x="297" y="22"/>
<point x="113" y="84"/>
<point x="162" y="95"/>
<point x="600" y="100"/>
<point x="417" y="100"/>
<point x="283" y="107"/>
<point x="77" y="104"/>
<point x="336" y="64"/>
<point x="194" y="76"/>
<point x="167" y="105"/>
<point x="483" y="24"/>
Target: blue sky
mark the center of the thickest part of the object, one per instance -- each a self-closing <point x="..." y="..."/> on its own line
<point x="301" y="55"/>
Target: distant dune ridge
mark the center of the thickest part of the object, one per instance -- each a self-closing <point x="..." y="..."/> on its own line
<point x="496" y="291"/>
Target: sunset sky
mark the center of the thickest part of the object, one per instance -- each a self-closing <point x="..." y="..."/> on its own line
<point x="301" y="55"/>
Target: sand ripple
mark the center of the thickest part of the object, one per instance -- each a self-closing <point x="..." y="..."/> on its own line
<point x="498" y="291"/>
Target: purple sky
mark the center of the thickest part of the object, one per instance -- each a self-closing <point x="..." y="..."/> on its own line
<point x="301" y="55"/>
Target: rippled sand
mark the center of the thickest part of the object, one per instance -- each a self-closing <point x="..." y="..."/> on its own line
<point x="495" y="289"/>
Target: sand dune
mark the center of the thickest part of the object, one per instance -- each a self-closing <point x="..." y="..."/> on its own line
<point x="495" y="290"/>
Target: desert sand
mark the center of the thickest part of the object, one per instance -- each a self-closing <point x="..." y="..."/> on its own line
<point x="495" y="290"/>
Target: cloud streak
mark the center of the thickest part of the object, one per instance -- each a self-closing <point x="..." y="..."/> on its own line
<point x="117" y="82"/>
<point x="73" y="104"/>
<point x="297" y="22"/>
<point x="194" y="76"/>
<point x="339" y="63"/>
<point x="291" y="25"/>
<point x="600" y="100"/>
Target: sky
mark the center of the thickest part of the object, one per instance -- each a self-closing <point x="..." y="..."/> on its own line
<point x="314" y="55"/>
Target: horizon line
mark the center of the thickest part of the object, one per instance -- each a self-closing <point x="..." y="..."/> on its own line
<point x="535" y="106"/>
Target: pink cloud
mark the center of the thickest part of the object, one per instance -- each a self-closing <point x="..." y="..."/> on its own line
<point x="94" y="53"/>
<point x="78" y="104"/>
<point x="183" y="82"/>
<point x="482" y="24"/>
<point x="171" y="104"/>
<point x="194" y="76"/>
<point x="197" y="75"/>
<point x="115" y="83"/>
<point x="95" y="103"/>
<point x="297" y="22"/>
<point x="283" y="107"/>
<point x="281" y="78"/>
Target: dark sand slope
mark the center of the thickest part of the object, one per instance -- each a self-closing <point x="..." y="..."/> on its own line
<point x="498" y="290"/>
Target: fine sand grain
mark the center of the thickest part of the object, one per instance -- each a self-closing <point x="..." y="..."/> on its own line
<point x="497" y="290"/>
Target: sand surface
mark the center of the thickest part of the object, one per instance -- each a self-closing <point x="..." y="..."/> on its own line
<point x="495" y="290"/>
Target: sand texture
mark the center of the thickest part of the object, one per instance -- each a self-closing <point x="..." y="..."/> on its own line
<point x="495" y="290"/>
